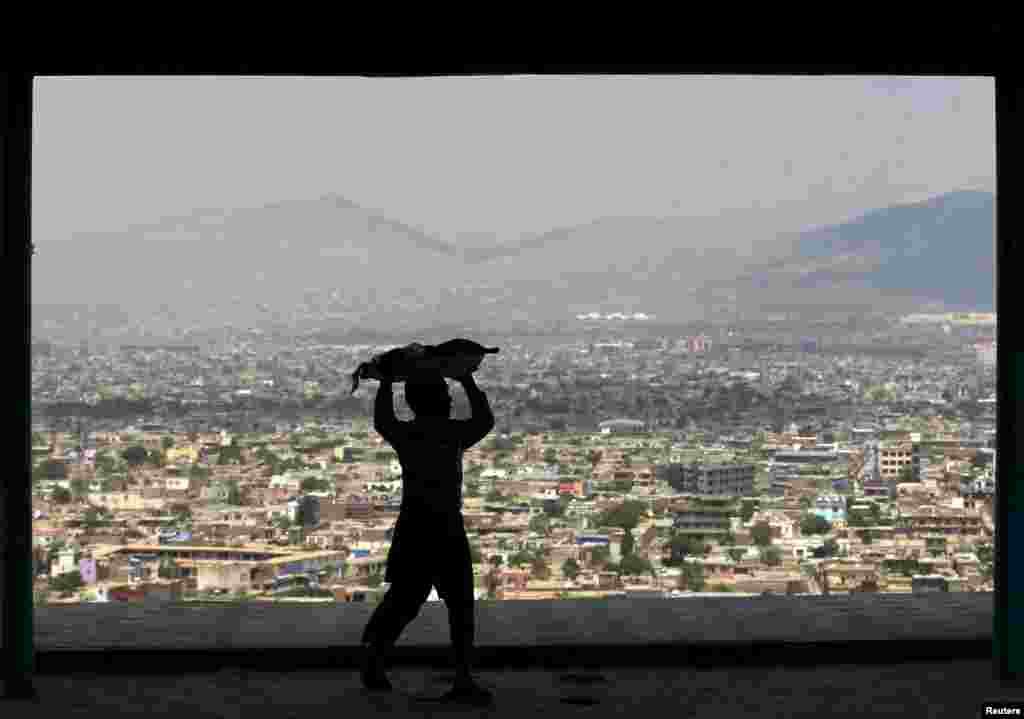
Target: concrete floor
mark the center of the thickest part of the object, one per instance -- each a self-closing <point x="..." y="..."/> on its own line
<point x="941" y="689"/>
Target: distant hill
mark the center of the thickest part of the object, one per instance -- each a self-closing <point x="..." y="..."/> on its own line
<point x="223" y="262"/>
<point x="941" y="250"/>
<point x="266" y="266"/>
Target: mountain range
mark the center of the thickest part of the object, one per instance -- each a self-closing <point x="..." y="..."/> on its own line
<point x="940" y="251"/>
<point x="333" y="263"/>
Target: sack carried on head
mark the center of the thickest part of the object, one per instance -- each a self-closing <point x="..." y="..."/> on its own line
<point x="453" y="358"/>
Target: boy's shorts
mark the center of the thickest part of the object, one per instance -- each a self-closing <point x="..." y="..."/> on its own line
<point x="432" y="550"/>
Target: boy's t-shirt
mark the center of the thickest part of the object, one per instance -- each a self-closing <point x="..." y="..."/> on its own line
<point x="431" y="453"/>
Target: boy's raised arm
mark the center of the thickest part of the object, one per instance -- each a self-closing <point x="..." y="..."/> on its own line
<point x="482" y="421"/>
<point x="384" y="419"/>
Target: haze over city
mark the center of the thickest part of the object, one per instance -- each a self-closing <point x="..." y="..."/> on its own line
<point x="234" y="187"/>
<point x="747" y="332"/>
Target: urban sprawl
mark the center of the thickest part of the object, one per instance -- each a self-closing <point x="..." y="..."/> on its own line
<point x="746" y="459"/>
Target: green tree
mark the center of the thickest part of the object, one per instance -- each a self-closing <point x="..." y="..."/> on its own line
<point x="628" y="544"/>
<point x="105" y="463"/>
<point x="692" y="577"/>
<point x="95" y="517"/>
<point x="539" y="524"/>
<point x="494" y="496"/>
<point x="747" y="509"/>
<point x="472" y="488"/>
<point x="772" y="556"/>
<point x="570" y="569"/>
<point x="474" y="553"/>
<point x="313" y="484"/>
<point x="167" y="569"/>
<point x="761" y="534"/>
<point x="634" y="566"/>
<point x="234" y="497"/>
<point x="520" y="559"/>
<point x="67" y="583"/>
<point x="737" y="553"/>
<point x="806" y="503"/>
<point x="60" y="495"/>
<point x="625" y="516"/>
<point x="600" y="555"/>
<point x="79" y="488"/>
<point x="813" y="524"/>
<point x="55" y="548"/>
<point x="984" y="552"/>
<point x="167" y="442"/>
<point x="625" y="486"/>
<point x="230" y="455"/>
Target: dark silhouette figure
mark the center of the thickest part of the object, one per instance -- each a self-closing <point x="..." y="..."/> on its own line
<point x="429" y="546"/>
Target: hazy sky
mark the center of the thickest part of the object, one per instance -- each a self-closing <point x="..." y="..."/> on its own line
<point x="464" y="158"/>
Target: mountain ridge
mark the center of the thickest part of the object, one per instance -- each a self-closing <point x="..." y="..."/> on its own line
<point x="359" y="267"/>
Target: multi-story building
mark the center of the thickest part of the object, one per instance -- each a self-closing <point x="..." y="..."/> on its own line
<point x="698" y="516"/>
<point x="735" y="480"/>
<point x="935" y="522"/>
<point x="894" y="458"/>
<point x="830" y="507"/>
<point x="231" y="568"/>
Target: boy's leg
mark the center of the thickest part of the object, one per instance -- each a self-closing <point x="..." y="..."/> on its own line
<point x="462" y="625"/>
<point x="457" y="591"/>
<point x="465" y="689"/>
<point x="397" y="609"/>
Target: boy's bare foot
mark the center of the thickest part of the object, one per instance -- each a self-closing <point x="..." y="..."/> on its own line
<point x="372" y="672"/>
<point x="467" y="691"/>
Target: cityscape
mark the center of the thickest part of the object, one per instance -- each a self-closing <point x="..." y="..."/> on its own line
<point x="728" y="461"/>
<point x="747" y="332"/>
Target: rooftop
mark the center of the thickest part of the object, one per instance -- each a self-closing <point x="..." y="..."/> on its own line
<point x="619" y="631"/>
<point x="916" y="689"/>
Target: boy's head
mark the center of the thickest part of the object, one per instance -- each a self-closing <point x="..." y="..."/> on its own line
<point x="428" y="396"/>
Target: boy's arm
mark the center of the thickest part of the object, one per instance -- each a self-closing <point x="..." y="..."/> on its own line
<point x="476" y="428"/>
<point x="384" y="419"/>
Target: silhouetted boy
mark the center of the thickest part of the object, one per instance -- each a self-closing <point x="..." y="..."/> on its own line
<point x="429" y="546"/>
